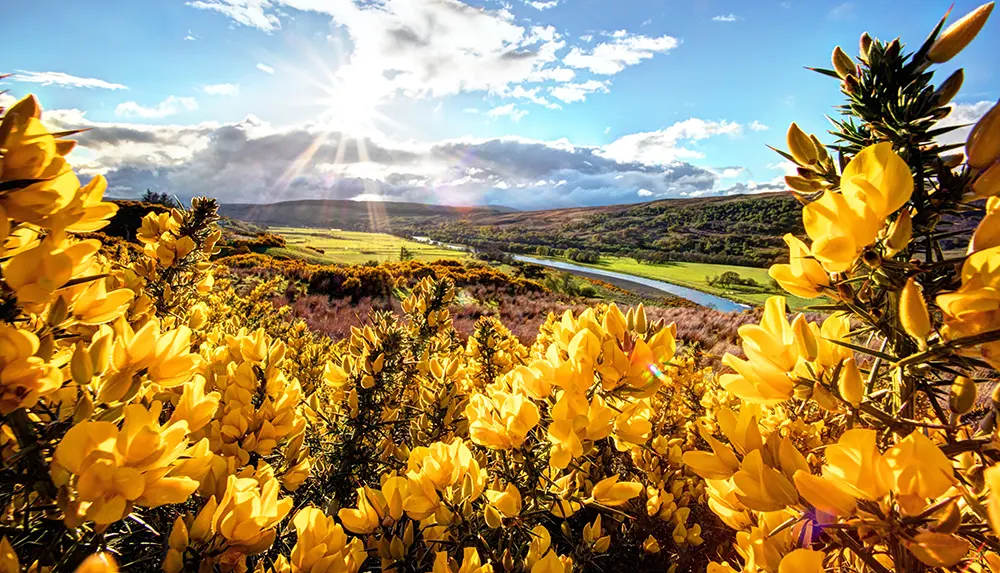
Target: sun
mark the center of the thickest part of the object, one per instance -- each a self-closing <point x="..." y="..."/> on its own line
<point x="351" y="101"/>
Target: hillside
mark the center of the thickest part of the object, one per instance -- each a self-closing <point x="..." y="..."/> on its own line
<point x="742" y="229"/>
<point x="350" y="215"/>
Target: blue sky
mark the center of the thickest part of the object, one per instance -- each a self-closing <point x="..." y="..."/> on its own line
<point x="526" y="103"/>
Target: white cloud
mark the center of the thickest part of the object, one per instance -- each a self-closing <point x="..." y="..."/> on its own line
<point x="189" y="38"/>
<point x="663" y="147"/>
<point x="251" y="13"/>
<point x="644" y="193"/>
<point x="758" y="126"/>
<point x="64" y="80"/>
<point x="587" y="37"/>
<point x="607" y="130"/>
<point x="222" y="89"/>
<point x="431" y="48"/>
<point x="170" y="106"/>
<point x="557" y="74"/>
<point x="545" y="5"/>
<point x="509" y="110"/>
<point x="843" y="11"/>
<point x="726" y="18"/>
<point x="963" y="114"/>
<point x="608" y="58"/>
<point x="252" y="161"/>
<point x="572" y="93"/>
<point x="531" y="95"/>
<point x="265" y="68"/>
<point x="731" y="172"/>
<point x="435" y="48"/>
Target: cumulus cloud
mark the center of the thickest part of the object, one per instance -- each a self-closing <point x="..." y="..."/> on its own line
<point x="964" y="115"/>
<point x="726" y="18"/>
<point x="435" y="48"/>
<point x="252" y="161"/>
<point x="423" y="48"/>
<point x="222" y="89"/>
<point x="574" y="92"/>
<point x="758" y="126"/>
<point x="624" y="49"/>
<point x="665" y="146"/>
<point x="509" y="110"/>
<point x="64" y="80"/>
<point x="170" y="106"/>
<point x="265" y="68"/>
<point x="250" y="13"/>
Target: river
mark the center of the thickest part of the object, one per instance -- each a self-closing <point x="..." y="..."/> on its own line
<point x="693" y="295"/>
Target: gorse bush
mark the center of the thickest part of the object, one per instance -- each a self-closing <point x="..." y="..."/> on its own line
<point x="152" y="418"/>
<point x="860" y="443"/>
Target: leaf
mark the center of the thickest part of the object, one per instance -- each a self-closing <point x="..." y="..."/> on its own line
<point x="863" y="350"/>
<point x="825" y="72"/>
<point x="783" y="154"/>
<point x="919" y="55"/>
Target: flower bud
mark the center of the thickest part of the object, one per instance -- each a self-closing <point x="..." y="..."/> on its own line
<point x="988" y="182"/>
<point x="849" y="383"/>
<point x="865" y="45"/>
<point x="640" y="319"/>
<point x="892" y="50"/>
<point x="949" y="88"/>
<point x="958" y="35"/>
<point x="962" y="395"/>
<point x="852" y="85"/>
<point x="900" y="233"/>
<point x="842" y="63"/>
<point x="821" y="152"/>
<point x="801" y="184"/>
<point x="983" y="145"/>
<point x="98" y="563"/>
<point x="801" y="146"/>
<point x="913" y="315"/>
<point x="953" y="160"/>
<point x="805" y="339"/>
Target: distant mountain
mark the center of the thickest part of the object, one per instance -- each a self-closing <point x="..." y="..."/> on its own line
<point x="352" y="215"/>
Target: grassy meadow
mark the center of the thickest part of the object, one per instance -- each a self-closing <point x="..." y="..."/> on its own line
<point x="354" y="248"/>
<point x="697" y="275"/>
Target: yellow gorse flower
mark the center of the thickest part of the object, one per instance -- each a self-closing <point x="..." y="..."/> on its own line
<point x="322" y="546"/>
<point x="501" y="420"/>
<point x="803" y="276"/>
<point x="875" y="184"/>
<point x="975" y="307"/>
<point x="113" y="469"/>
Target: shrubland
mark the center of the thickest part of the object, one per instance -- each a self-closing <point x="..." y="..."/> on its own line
<point x="157" y="415"/>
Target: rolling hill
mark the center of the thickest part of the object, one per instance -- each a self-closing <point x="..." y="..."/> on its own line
<point x="741" y="229"/>
<point x="351" y="215"/>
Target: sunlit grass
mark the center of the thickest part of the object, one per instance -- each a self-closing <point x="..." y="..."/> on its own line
<point x="352" y="248"/>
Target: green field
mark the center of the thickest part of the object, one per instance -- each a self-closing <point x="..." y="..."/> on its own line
<point x="353" y="248"/>
<point x="696" y="275"/>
